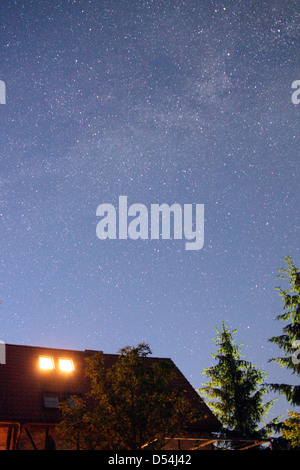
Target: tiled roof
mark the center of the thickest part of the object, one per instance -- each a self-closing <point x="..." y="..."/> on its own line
<point x="23" y="384"/>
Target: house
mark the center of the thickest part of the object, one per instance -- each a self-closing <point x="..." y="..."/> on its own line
<point x="35" y="380"/>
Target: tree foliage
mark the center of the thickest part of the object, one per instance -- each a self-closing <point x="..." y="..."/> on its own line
<point x="291" y="429"/>
<point x="235" y="388"/>
<point x="289" y="340"/>
<point x="130" y="404"/>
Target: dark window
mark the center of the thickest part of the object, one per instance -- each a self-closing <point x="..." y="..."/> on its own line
<point x="51" y="400"/>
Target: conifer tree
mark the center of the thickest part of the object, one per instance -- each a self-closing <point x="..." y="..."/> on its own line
<point x="235" y="388"/>
<point x="291" y="429"/>
<point x="289" y="340"/>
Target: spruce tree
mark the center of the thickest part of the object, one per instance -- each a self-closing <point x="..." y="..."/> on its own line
<point x="289" y="340"/>
<point x="291" y="429"/>
<point x="235" y="388"/>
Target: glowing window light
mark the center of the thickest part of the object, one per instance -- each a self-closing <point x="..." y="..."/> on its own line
<point x="46" y="363"/>
<point x="66" y="365"/>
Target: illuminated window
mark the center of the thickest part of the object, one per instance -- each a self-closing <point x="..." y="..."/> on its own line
<point x="46" y="362"/>
<point x="66" y="365"/>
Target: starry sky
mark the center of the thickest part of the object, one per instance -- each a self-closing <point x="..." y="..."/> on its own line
<point x="184" y="102"/>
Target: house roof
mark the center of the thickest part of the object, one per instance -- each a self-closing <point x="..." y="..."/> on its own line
<point x="28" y="394"/>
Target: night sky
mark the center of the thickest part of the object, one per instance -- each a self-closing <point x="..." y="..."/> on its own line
<point x="186" y="102"/>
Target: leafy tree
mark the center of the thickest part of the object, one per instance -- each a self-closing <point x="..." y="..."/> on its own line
<point x="291" y="429"/>
<point x="235" y="388"/>
<point x="289" y="341"/>
<point x="130" y="404"/>
<point x="76" y="427"/>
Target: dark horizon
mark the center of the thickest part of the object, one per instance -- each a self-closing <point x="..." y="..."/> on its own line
<point x="162" y="102"/>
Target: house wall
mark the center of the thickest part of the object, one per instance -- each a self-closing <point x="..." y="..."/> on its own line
<point x="31" y="438"/>
<point x="40" y="437"/>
